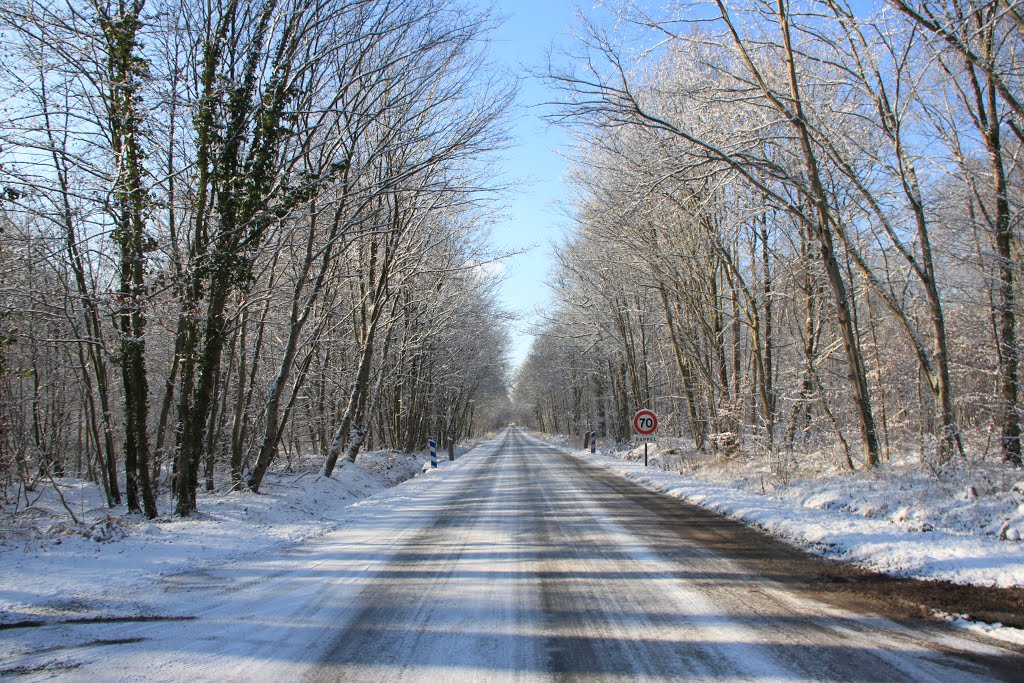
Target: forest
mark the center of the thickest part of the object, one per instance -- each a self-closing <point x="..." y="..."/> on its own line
<point x="235" y="231"/>
<point x="231" y="230"/>
<point x="795" y="229"/>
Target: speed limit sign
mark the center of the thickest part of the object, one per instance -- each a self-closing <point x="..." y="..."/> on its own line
<point x="645" y="422"/>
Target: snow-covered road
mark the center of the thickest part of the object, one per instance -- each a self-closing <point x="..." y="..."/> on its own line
<point x="519" y="563"/>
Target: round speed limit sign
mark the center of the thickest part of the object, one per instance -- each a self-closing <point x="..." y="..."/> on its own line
<point x="645" y="422"/>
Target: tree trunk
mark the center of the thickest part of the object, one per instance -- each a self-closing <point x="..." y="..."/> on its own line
<point x="697" y="428"/>
<point x="125" y="120"/>
<point x="1009" y="362"/>
<point x="823" y="230"/>
<point x="359" y="390"/>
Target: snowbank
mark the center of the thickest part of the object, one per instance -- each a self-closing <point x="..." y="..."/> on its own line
<point x="52" y="566"/>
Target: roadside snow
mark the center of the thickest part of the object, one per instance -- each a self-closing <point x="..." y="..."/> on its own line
<point x="902" y="521"/>
<point x="180" y="598"/>
<point x="55" y="569"/>
<point x="964" y="525"/>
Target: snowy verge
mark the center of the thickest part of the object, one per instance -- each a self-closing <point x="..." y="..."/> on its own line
<point x="840" y="519"/>
<point x="880" y="523"/>
<point x="55" y="569"/>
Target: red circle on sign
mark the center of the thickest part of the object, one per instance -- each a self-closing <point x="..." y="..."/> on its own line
<point x="645" y="422"/>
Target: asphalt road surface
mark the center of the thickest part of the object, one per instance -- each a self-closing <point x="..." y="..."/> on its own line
<point x="543" y="568"/>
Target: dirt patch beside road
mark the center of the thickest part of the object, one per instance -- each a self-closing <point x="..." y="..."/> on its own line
<point x="926" y="598"/>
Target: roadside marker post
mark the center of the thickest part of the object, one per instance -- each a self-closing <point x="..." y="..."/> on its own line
<point x="645" y="424"/>
<point x="593" y="442"/>
<point x="433" y="452"/>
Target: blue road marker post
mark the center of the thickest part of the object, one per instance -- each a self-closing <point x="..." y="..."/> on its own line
<point x="433" y="452"/>
<point x="593" y="442"/>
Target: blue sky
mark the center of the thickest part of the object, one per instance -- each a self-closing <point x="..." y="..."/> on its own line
<point x="531" y="220"/>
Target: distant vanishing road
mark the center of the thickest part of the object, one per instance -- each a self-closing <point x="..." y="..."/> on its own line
<point x="543" y="568"/>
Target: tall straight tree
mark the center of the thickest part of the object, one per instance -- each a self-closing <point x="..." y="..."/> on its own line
<point x="120" y="23"/>
<point x="983" y="39"/>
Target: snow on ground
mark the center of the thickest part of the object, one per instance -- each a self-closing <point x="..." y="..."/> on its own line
<point x="183" y="605"/>
<point x="53" y="567"/>
<point x="903" y="520"/>
<point x="963" y="524"/>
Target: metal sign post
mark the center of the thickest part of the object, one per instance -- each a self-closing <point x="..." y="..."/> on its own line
<point x="645" y="424"/>
<point x="433" y="452"/>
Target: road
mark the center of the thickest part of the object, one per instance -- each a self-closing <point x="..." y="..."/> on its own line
<point x="544" y="568"/>
<point x="515" y="563"/>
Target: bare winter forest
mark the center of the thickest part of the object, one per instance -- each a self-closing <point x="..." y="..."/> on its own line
<point x="796" y="229"/>
<point x="231" y="229"/>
